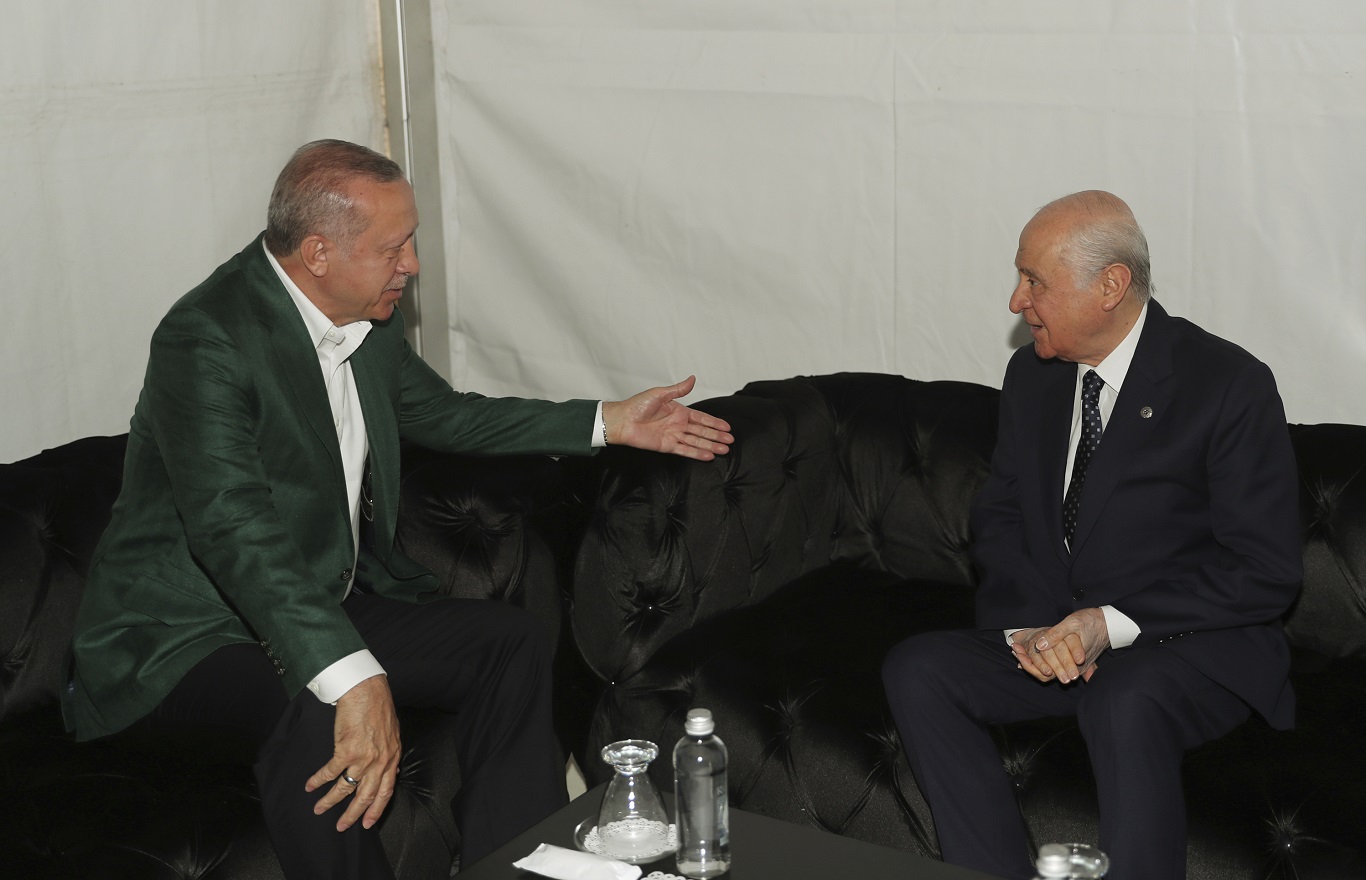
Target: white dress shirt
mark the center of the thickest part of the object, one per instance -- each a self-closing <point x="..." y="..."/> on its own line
<point x="1112" y="370"/>
<point x="334" y="346"/>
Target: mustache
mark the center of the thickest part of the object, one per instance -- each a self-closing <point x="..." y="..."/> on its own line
<point x="399" y="282"/>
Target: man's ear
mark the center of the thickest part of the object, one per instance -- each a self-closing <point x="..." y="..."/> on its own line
<point x="1114" y="285"/>
<point x="314" y="253"/>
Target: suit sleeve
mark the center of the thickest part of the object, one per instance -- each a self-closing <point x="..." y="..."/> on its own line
<point x="434" y="415"/>
<point x="1253" y="515"/>
<point x="1011" y="591"/>
<point x="203" y="417"/>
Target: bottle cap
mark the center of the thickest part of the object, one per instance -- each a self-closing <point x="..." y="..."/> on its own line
<point x="1055" y="860"/>
<point x="699" y="722"/>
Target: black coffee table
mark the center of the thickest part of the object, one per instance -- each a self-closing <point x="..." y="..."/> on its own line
<point x="761" y="849"/>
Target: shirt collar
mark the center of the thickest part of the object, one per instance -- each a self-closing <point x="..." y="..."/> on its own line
<point x="1116" y="364"/>
<point x="314" y="320"/>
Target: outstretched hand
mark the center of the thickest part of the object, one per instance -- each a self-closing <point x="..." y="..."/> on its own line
<point x="655" y="420"/>
<point x="1066" y="651"/>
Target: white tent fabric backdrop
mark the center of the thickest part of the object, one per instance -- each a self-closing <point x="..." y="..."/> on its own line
<point x="766" y="188"/>
<point x="744" y="189"/>
<point x="139" y="145"/>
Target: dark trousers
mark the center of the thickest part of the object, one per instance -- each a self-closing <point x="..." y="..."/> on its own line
<point x="486" y="662"/>
<point x="1139" y="713"/>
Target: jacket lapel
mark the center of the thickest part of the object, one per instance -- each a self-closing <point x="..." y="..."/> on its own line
<point x="381" y="428"/>
<point x="1055" y="408"/>
<point x="296" y="356"/>
<point x="1129" y="431"/>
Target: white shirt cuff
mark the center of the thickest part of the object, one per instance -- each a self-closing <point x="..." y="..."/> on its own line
<point x="1123" y="630"/>
<point x="1011" y="632"/>
<point x="334" y="681"/>
<point x="599" y="439"/>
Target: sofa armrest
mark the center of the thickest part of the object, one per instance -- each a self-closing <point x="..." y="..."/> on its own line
<point x="670" y="542"/>
<point x="867" y="469"/>
<point x="487" y="527"/>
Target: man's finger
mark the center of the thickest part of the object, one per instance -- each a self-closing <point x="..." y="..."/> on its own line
<point x="706" y="419"/>
<point x="361" y="800"/>
<point x="1042" y="673"/>
<point x="703" y="443"/>
<point x="339" y="792"/>
<point x="717" y="433"/>
<point x="1074" y="641"/>
<point x="1061" y="663"/>
<point x="328" y="772"/>
<point x="681" y="389"/>
<point x="386" y="791"/>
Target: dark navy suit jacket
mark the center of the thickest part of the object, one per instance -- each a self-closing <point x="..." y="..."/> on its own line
<point x="1188" y="522"/>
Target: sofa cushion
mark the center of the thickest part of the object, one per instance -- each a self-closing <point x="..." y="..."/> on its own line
<point x="769" y="583"/>
<point x="131" y="807"/>
<point x="793" y="684"/>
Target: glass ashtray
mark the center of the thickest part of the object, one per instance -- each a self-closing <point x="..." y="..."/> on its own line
<point x="588" y="839"/>
<point x="1077" y="859"/>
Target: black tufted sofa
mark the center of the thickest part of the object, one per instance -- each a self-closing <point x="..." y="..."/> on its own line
<point x="122" y="808"/>
<point x="769" y="584"/>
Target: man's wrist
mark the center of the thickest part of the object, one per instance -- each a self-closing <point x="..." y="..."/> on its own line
<point x="332" y="683"/>
<point x="598" y="438"/>
<point x="1121" y="630"/>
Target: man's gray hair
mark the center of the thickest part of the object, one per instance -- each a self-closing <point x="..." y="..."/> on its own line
<point x="1107" y="234"/>
<point x="310" y="195"/>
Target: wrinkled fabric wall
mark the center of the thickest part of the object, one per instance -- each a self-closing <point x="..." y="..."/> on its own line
<point x="744" y="189"/>
<point x="138" y="145"/>
<point x="755" y="189"/>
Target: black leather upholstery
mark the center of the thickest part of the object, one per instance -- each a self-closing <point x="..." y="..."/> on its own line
<point x="122" y="808"/>
<point x="768" y="585"/>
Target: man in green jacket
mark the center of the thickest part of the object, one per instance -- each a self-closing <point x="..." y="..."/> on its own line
<point x="248" y="580"/>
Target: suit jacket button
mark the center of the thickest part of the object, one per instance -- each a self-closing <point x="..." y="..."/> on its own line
<point x="1078" y="594"/>
<point x="346" y="574"/>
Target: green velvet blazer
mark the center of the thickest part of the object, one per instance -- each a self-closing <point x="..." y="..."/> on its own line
<point x="232" y="524"/>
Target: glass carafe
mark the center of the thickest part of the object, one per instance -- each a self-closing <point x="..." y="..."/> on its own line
<point x="632" y="824"/>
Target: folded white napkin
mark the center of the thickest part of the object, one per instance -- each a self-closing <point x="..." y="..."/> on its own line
<point x="570" y="864"/>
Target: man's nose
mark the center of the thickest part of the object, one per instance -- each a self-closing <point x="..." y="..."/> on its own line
<point x="1019" y="298"/>
<point x="408" y="263"/>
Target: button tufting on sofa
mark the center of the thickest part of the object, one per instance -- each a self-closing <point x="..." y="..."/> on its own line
<point x="849" y="534"/>
<point x="125" y="807"/>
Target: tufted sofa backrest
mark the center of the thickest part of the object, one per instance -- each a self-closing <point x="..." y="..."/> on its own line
<point x="1329" y="617"/>
<point x="873" y="470"/>
<point x="876" y="471"/>
<point x="488" y="528"/>
<point x="911" y="456"/>
<point x="53" y="508"/>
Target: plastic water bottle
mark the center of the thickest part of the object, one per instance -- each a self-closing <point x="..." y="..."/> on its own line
<point x="701" y="801"/>
<point x="1071" y="861"/>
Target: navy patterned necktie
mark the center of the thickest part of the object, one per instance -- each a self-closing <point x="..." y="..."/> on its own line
<point x="1091" y="430"/>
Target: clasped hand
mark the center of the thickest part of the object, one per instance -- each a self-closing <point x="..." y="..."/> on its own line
<point x="655" y="420"/>
<point x="1066" y="651"/>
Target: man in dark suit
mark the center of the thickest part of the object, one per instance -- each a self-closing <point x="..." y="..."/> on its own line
<point x="1136" y="541"/>
<point x="248" y="582"/>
